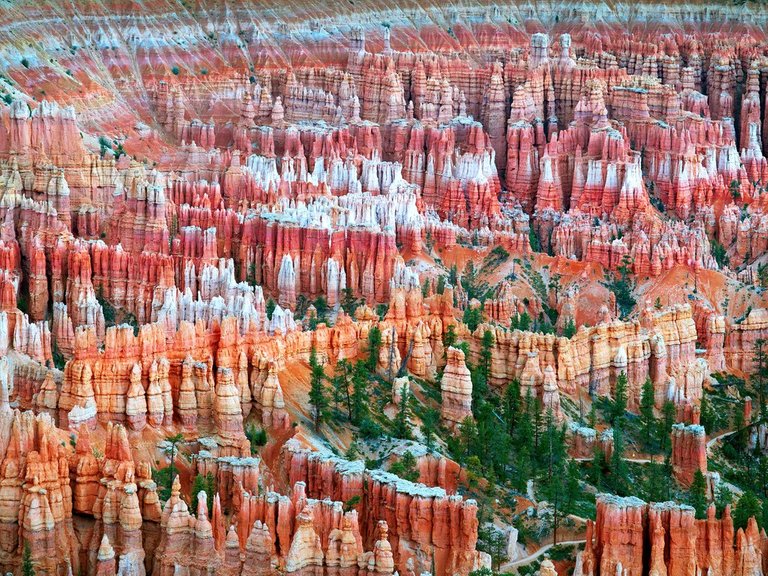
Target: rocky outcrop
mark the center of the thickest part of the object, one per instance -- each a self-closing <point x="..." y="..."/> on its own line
<point x="689" y="452"/>
<point x="676" y="541"/>
<point x="425" y="525"/>
<point x="456" y="389"/>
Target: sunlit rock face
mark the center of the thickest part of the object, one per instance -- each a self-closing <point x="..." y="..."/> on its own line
<point x="198" y="197"/>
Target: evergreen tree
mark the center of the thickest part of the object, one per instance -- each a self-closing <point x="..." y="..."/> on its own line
<point x="173" y="441"/>
<point x="203" y="483"/>
<point x="552" y="475"/>
<point x="270" y="307"/>
<point x="723" y="498"/>
<point x="521" y="322"/>
<point x="429" y="423"/>
<point x="647" y="418"/>
<point x="405" y="467"/>
<point x="619" y="405"/>
<point x="317" y="394"/>
<point x="374" y="344"/>
<point x="359" y="393"/>
<point x="619" y="471"/>
<point x="741" y="435"/>
<point x="440" y="285"/>
<point x="592" y="416"/>
<point x="511" y="405"/>
<point x="523" y="466"/>
<point x="467" y="438"/>
<point x="668" y="475"/>
<point x="453" y="274"/>
<point x="668" y="414"/>
<point x="761" y="476"/>
<point x="747" y="507"/>
<point x="472" y="318"/>
<point x="321" y="305"/>
<point x="525" y="440"/>
<point x="341" y="386"/>
<point x="27" y="567"/>
<point x="494" y="542"/>
<point x="697" y="495"/>
<point x="479" y="389"/>
<point x="569" y="330"/>
<point x="758" y="378"/>
<point x="449" y="338"/>
<point x="598" y="466"/>
<point x="486" y="347"/>
<point x="256" y="436"/>
<point x="707" y="415"/>
<point x="572" y="486"/>
<point x="493" y="442"/>
<point x="348" y="301"/>
<point x="402" y="429"/>
<point x="655" y="488"/>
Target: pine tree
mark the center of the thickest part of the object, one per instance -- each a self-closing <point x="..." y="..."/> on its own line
<point x="619" y="405"/>
<point x="723" y="498"/>
<point x="572" y="487"/>
<point x="747" y="507"/>
<point x="697" y="495"/>
<point x="317" y="393"/>
<point x="552" y="475"/>
<point x="647" y="418"/>
<point x="27" y="567"/>
<point x="402" y="429"/>
<point x="708" y="417"/>
<point x="449" y="338"/>
<point x="525" y="438"/>
<point x="655" y="488"/>
<point x="619" y="470"/>
<point x="467" y="438"/>
<point x="740" y="435"/>
<point x="486" y="347"/>
<point x="668" y="475"/>
<point x="668" y="414"/>
<point x="197" y="486"/>
<point x="429" y="423"/>
<point x="374" y="344"/>
<point x="521" y="322"/>
<point x="453" y="274"/>
<point x="758" y="378"/>
<point x="598" y="466"/>
<point x="569" y="330"/>
<point x="205" y="484"/>
<point x="340" y="383"/>
<point x="173" y="441"/>
<point x="592" y="416"/>
<point x="405" y="467"/>
<point x="511" y="405"/>
<point x="359" y="393"/>
<point x="479" y="389"/>
<point x="321" y="305"/>
<point x="472" y="318"/>
<point x="440" y="285"/>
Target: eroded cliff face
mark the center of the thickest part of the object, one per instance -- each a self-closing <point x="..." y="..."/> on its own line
<point x="193" y="198"/>
<point x="633" y="537"/>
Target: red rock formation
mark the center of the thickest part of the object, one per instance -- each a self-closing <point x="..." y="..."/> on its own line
<point x="678" y="543"/>
<point x="425" y="524"/>
<point x="689" y="452"/>
<point x="456" y="389"/>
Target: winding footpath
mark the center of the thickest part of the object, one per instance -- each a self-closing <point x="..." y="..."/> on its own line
<point x="532" y="557"/>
